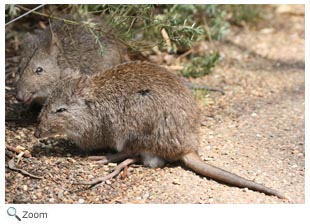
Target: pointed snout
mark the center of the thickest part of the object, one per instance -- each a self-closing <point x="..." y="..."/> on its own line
<point x="20" y="96"/>
<point x="38" y="133"/>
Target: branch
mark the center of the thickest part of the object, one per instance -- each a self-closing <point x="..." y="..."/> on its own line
<point x="23" y="15"/>
<point x="11" y="165"/>
<point x="49" y="16"/>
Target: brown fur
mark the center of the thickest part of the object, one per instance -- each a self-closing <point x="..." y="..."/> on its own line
<point x="132" y="106"/>
<point x="63" y="46"/>
<point x="135" y="107"/>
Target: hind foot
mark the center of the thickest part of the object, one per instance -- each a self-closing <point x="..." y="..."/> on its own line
<point x="113" y="158"/>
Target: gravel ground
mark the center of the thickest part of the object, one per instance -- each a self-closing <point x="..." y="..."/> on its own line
<point x="255" y="130"/>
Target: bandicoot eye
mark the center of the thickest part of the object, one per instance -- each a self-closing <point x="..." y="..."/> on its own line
<point x="39" y="70"/>
<point x="60" y="110"/>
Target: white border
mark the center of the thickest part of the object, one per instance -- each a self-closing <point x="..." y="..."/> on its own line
<point x="161" y="213"/>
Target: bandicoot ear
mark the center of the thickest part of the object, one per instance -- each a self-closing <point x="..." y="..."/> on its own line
<point x="51" y="41"/>
<point x="29" y="42"/>
<point x="28" y="38"/>
<point x="53" y="44"/>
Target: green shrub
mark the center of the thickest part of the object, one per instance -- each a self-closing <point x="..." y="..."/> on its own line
<point x="200" y="66"/>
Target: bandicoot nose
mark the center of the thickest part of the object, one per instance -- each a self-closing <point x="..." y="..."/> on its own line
<point x="37" y="133"/>
<point x="19" y="97"/>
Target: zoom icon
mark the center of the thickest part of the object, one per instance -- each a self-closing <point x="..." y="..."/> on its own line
<point x="12" y="212"/>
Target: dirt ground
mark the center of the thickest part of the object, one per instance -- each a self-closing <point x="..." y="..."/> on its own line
<point x="255" y="130"/>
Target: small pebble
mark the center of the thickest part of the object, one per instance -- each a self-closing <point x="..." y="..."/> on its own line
<point x="108" y="182"/>
<point x="60" y="194"/>
<point x="145" y="196"/>
<point x="253" y="114"/>
<point x="25" y="187"/>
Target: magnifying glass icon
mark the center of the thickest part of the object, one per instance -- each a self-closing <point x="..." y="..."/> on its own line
<point x="12" y="212"/>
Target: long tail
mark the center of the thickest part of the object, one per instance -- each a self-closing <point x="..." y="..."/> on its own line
<point x="195" y="163"/>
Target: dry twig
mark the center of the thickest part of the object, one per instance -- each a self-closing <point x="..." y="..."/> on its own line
<point x="166" y="38"/>
<point x="115" y="172"/>
<point x="18" y="151"/>
<point x="11" y="165"/>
